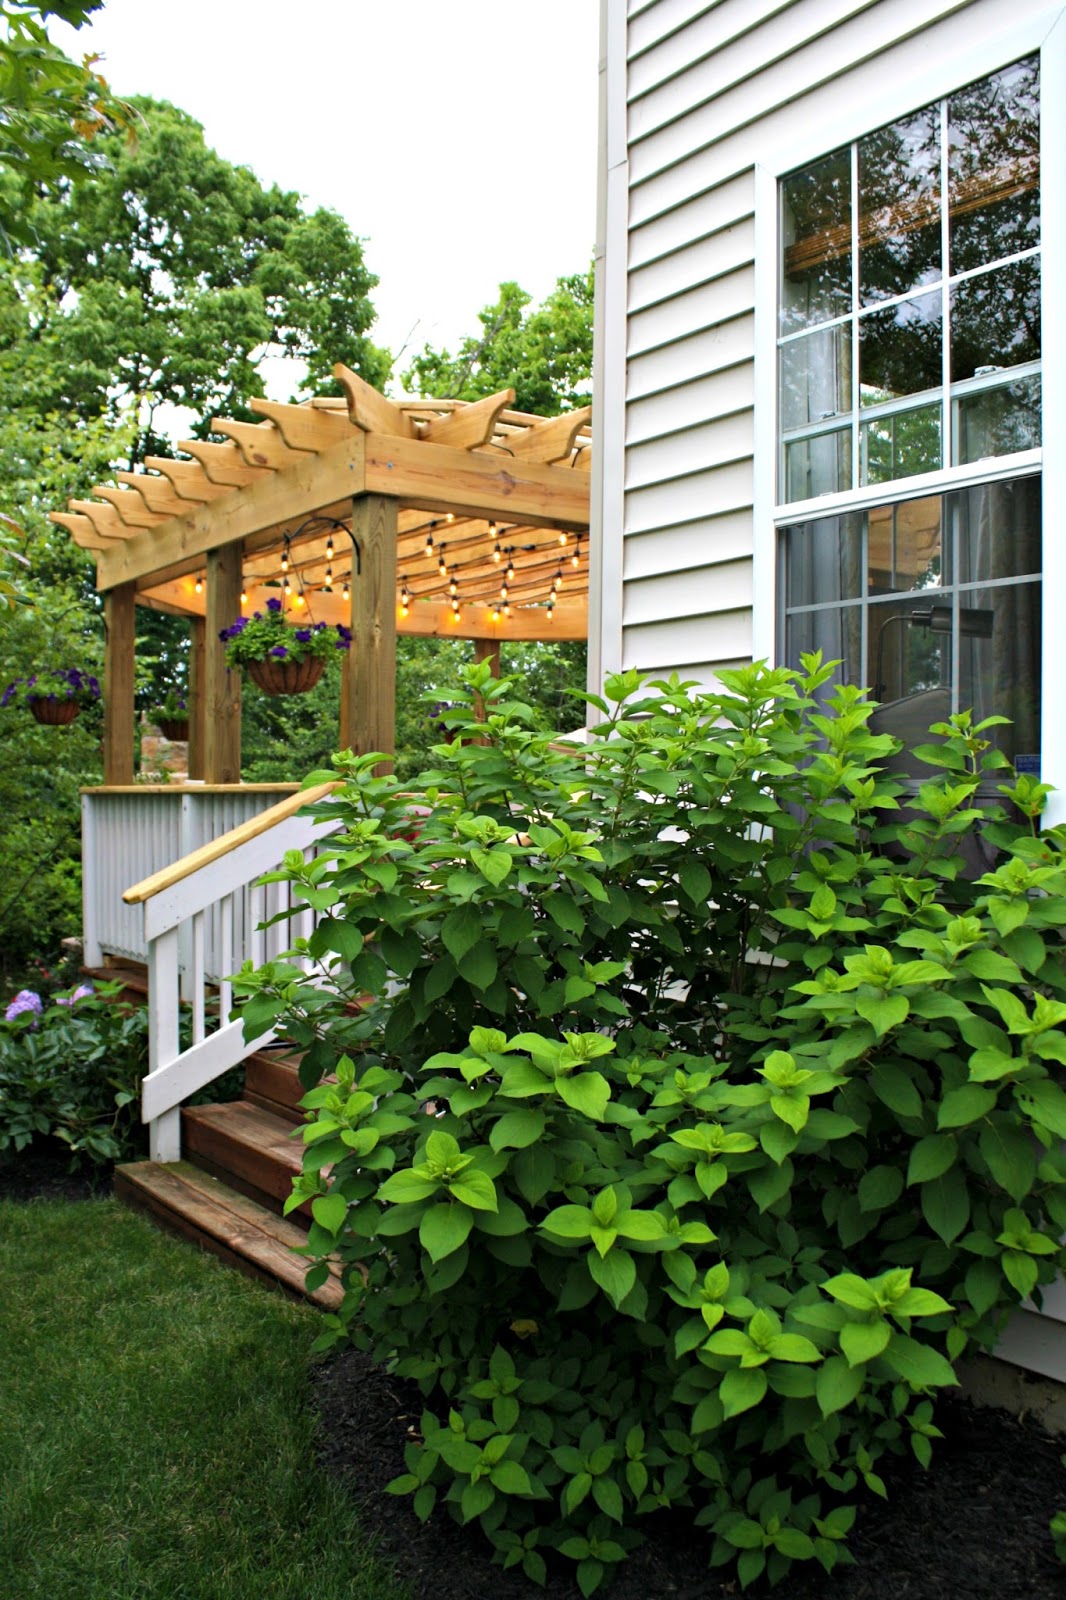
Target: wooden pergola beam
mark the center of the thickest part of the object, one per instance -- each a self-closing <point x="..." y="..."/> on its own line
<point x="370" y="410"/>
<point x="412" y="472"/>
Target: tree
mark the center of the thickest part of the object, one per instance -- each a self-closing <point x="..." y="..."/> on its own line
<point x="172" y="273"/>
<point x="51" y="108"/>
<point x="545" y="355"/>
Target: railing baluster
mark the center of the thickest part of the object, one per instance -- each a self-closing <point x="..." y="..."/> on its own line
<point x="198" y="978"/>
<point x="164" y="1132"/>
<point x="225" y="961"/>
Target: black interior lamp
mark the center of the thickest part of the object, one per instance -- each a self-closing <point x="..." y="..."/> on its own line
<point x="975" y="622"/>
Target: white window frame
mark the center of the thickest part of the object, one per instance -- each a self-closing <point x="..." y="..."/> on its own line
<point x="850" y="121"/>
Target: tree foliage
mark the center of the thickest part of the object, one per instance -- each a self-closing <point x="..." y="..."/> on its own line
<point x="173" y="273"/>
<point x="52" y="109"/>
<point x="545" y="354"/>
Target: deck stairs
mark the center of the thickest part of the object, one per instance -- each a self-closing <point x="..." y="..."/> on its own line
<point x="220" y="1172"/>
<point x="227" y="1192"/>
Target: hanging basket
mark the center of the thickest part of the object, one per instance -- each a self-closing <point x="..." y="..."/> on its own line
<point x="173" y="727"/>
<point x="279" y="676"/>
<point x="54" y="713"/>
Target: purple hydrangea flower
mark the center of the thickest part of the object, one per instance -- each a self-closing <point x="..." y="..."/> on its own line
<point x="82" y="992"/>
<point x="279" y="650"/>
<point x="25" y="1000"/>
<point x="273" y="605"/>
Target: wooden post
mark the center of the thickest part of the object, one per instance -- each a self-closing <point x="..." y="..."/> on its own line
<point x="222" y="684"/>
<point x="118" y="683"/>
<point x="486" y="650"/>
<point x="197" y="697"/>
<point x="369" y="705"/>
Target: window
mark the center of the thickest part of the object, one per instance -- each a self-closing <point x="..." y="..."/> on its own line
<point x="909" y="312"/>
<point x="908" y="347"/>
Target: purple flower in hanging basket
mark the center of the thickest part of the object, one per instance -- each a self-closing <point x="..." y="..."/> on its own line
<point x="273" y="605"/>
<point x="279" y="650"/>
<point x="303" y="634"/>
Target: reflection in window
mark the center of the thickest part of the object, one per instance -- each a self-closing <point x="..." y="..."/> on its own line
<point x="933" y="603"/>
<point x="899" y="207"/>
<point x="978" y="313"/>
<point x="994" y="167"/>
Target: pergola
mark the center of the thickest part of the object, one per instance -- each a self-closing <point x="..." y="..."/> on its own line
<point x="433" y="517"/>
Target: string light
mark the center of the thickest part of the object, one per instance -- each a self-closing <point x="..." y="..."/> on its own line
<point x="562" y="538"/>
<point x="329" y="548"/>
<point x="328" y="585"/>
<point x="507" y="611"/>
<point x="576" y="557"/>
<point x="455" y="607"/>
<point x="285" y="559"/>
<point x="510" y="570"/>
<point x="450" y="517"/>
<point x="551" y="610"/>
<point x="496" y="614"/>
<point x="404" y="598"/>
<point x="503" y="591"/>
<point x="496" y="551"/>
<point x="244" y="597"/>
<point x="299" y="598"/>
<point x="346" y="593"/>
<point x="442" y="565"/>
<point x="199" y="584"/>
<point x="429" y="539"/>
<point x="287" y="586"/>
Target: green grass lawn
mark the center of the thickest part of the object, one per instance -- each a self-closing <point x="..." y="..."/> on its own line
<point x="157" y="1435"/>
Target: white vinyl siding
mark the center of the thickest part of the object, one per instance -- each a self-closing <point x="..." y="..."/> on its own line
<point x="706" y="89"/>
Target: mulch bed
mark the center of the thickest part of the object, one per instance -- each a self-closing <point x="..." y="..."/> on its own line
<point x="975" y="1527"/>
<point x="43" y="1172"/>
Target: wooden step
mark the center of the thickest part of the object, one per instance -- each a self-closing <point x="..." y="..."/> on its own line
<point x="229" y="1224"/>
<point x="272" y="1081"/>
<point x="246" y="1146"/>
<point x="133" y="978"/>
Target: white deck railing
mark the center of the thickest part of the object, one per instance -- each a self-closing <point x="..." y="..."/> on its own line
<point x="133" y="832"/>
<point x="208" y="909"/>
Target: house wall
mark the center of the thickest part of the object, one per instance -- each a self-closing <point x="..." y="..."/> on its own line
<point x="694" y="94"/>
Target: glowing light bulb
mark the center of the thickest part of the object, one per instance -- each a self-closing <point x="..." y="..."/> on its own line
<point x="496" y="552"/>
<point x="329" y="580"/>
<point x="450" y="517"/>
<point x="199" y="585"/>
<point x="284" y="561"/>
<point x="496" y="614"/>
<point x="503" y="591"/>
<point x="287" y="586"/>
<point x="574" y="559"/>
<point x="429" y="544"/>
<point x="551" y="612"/>
<point x="329" y="548"/>
<point x="562" y="538"/>
<point x="244" y="597"/>
<point x="507" y="611"/>
<point x="346" y="592"/>
<point x="510" y="572"/>
<point x="299" y="598"/>
<point x="453" y="587"/>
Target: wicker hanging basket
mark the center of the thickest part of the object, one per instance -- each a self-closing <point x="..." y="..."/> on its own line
<point x="54" y="713"/>
<point x="277" y="675"/>
<point x="173" y="727"/>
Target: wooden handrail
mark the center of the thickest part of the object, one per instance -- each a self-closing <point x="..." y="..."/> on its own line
<point x="138" y="893"/>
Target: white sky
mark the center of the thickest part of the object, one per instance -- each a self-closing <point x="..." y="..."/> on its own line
<point x="457" y="137"/>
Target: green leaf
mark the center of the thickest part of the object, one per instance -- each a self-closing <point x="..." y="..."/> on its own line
<point x="695" y="880"/>
<point x="517" y="1129"/>
<point x="476" y="1498"/>
<point x="883" y="1014"/>
<point x="862" y="1341"/>
<point x="793" y="1347"/>
<point x="329" y="1211"/>
<point x="851" y="1291"/>
<point x="407" y="1188"/>
<point x="443" y="1229"/>
<point x="946" y="1204"/>
<point x="510" y="1477"/>
<point x="616" y="1273"/>
<point x="479" y="965"/>
<point x="837" y="1385"/>
<point x="461" y="930"/>
<point x="339" y="936"/>
<point x="1044" y="1102"/>
<point x="931" y="1157"/>
<point x="563" y="912"/>
<point x="492" y="864"/>
<point x="742" y="1388"/>
<point x="880" y="1188"/>
<point x="791" y="1542"/>
<point x="1009" y="1154"/>
<point x="369" y="972"/>
<point x="587" y="1092"/>
<point x="569" y="1222"/>
<point x="1020" y="1271"/>
<point x="919" y="1365"/>
<point x="475" y="1189"/>
<point x="895" y="1089"/>
<point x="968" y="1103"/>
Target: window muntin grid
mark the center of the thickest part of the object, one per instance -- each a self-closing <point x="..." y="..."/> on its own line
<point x="884" y="356"/>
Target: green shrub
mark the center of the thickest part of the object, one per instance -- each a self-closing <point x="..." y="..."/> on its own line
<point x="700" y="1114"/>
<point x="70" y="1068"/>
